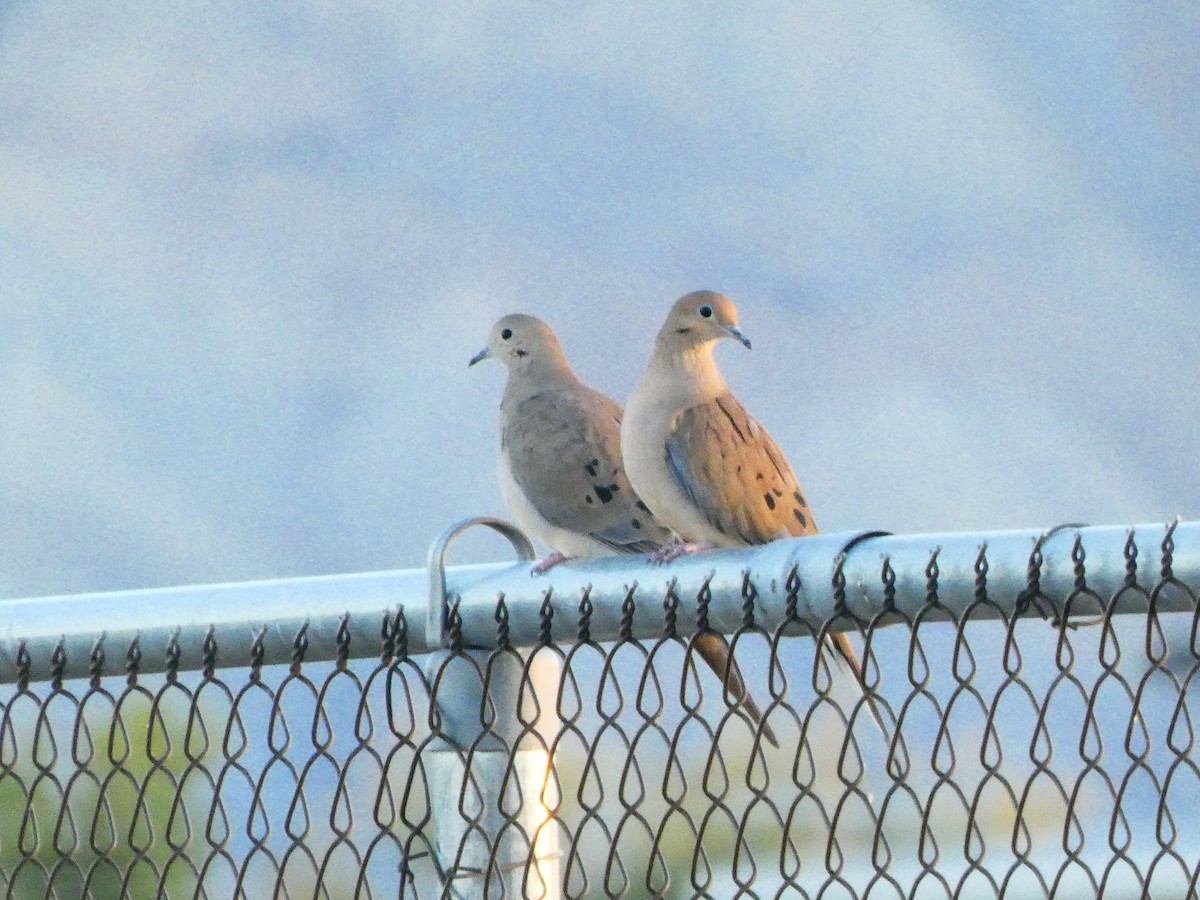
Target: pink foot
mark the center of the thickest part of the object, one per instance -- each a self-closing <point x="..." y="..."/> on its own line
<point x="668" y="553"/>
<point x="548" y="563"/>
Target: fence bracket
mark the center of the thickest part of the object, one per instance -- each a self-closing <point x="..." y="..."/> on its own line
<point x="435" y="626"/>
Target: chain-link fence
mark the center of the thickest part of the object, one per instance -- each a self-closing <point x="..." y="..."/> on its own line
<point x="1036" y="739"/>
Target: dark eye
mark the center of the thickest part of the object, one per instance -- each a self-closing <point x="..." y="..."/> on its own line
<point x="506" y="333"/>
<point x="706" y="311"/>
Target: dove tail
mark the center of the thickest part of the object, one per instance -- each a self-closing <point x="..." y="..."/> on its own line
<point x="714" y="650"/>
<point x="844" y="649"/>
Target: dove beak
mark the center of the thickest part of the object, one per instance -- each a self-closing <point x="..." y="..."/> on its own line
<point x="738" y="336"/>
<point x="480" y="356"/>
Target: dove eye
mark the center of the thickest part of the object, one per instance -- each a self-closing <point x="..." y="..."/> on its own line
<point x="506" y="333"/>
<point x="706" y="311"/>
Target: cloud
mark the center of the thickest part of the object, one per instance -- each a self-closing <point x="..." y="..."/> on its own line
<point x="248" y="253"/>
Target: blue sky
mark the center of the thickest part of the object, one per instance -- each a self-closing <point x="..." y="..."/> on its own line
<point x="247" y="252"/>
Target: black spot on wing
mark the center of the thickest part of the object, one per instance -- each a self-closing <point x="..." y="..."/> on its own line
<point x="799" y="498"/>
<point x="635" y="523"/>
<point x="770" y="501"/>
<point x="642" y="506"/>
<point x="590" y="468"/>
<point x="800" y="517"/>
<point x="605" y="491"/>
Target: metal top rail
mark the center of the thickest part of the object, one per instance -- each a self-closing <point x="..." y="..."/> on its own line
<point x="886" y="578"/>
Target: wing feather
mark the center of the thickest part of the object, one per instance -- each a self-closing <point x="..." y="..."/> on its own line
<point x="735" y="474"/>
<point x="564" y="447"/>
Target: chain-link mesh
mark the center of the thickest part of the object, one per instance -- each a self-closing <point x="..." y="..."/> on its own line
<point x="1020" y="757"/>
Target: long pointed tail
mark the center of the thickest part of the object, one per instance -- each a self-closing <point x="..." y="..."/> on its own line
<point x="842" y="646"/>
<point x="714" y="650"/>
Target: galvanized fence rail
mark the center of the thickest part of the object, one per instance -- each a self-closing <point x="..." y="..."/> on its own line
<point x="477" y="732"/>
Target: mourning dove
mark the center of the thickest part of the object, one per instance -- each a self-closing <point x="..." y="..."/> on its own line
<point x="700" y="462"/>
<point x="560" y="468"/>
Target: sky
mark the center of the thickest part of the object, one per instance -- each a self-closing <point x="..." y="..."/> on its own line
<point x="247" y="250"/>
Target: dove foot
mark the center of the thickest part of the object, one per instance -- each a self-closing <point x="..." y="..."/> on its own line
<point x="548" y="563"/>
<point x="668" y="553"/>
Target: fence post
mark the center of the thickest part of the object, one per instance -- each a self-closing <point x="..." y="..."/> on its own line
<point x="486" y="776"/>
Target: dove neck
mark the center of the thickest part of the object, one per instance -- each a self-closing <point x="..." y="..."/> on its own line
<point x="537" y="373"/>
<point x="693" y="372"/>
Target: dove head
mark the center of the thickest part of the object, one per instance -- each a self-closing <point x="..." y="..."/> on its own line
<point x="525" y="344"/>
<point x="699" y="319"/>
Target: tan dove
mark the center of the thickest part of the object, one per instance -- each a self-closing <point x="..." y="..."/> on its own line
<point x="704" y="467"/>
<point x="560" y="468"/>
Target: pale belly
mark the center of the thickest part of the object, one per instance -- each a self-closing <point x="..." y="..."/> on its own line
<point x="644" y="435"/>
